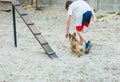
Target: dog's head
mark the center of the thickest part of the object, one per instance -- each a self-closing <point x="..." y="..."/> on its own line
<point x="72" y="37"/>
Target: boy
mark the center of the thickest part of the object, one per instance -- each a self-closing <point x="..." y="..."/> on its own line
<point x="82" y="12"/>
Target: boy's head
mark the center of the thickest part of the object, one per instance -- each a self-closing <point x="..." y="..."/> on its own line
<point x="68" y="2"/>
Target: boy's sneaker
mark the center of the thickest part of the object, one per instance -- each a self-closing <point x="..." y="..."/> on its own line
<point x="88" y="46"/>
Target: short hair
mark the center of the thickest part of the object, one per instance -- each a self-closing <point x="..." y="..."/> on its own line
<point x="68" y="2"/>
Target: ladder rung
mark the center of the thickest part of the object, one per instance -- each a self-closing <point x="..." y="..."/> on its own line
<point x="16" y="4"/>
<point x="30" y="24"/>
<point x="50" y="53"/>
<point x="44" y="43"/>
<point x="37" y="33"/>
<point x="23" y="14"/>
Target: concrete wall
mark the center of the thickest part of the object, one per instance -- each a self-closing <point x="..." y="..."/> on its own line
<point x="55" y="3"/>
<point x="44" y="3"/>
<point x="105" y="5"/>
<point x="23" y="1"/>
<point x="110" y="5"/>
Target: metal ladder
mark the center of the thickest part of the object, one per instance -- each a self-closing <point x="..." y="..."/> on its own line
<point x="17" y="6"/>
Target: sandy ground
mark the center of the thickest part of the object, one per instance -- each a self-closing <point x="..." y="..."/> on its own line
<point x="29" y="63"/>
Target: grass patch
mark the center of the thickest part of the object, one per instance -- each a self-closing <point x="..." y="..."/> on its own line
<point x="101" y="16"/>
<point x="118" y="13"/>
<point x="111" y="12"/>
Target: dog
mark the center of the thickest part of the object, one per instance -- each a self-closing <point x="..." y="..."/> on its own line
<point x="75" y="45"/>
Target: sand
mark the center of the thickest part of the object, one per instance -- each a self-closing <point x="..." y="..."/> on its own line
<point x="29" y="63"/>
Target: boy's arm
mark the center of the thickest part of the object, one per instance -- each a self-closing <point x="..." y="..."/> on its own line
<point x="94" y="17"/>
<point x="93" y="14"/>
<point x="67" y="25"/>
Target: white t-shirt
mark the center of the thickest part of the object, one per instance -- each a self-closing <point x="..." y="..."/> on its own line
<point x="78" y="8"/>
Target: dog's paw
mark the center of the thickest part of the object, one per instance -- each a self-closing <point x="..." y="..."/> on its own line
<point x="79" y="55"/>
<point x="81" y="50"/>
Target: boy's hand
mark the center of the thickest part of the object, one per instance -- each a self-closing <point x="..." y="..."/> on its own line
<point x="66" y="36"/>
<point x="95" y="20"/>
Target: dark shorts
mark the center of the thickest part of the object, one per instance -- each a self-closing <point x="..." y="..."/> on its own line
<point x="85" y="20"/>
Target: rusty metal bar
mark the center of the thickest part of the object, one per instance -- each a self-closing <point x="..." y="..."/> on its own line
<point x="14" y="26"/>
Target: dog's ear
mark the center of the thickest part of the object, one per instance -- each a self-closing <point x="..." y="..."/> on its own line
<point x="69" y="34"/>
<point x="75" y="33"/>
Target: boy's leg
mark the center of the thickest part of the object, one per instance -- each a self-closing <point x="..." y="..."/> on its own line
<point x="81" y="40"/>
<point x="85" y="22"/>
<point x="88" y="44"/>
<point x="82" y="37"/>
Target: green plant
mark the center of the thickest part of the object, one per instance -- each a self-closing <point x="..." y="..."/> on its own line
<point x="118" y="13"/>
